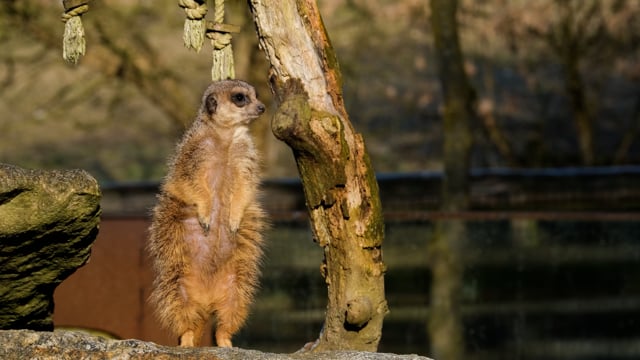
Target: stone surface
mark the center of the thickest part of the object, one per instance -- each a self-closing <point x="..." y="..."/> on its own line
<point x="62" y="345"/>
<point x="48" y="221"/>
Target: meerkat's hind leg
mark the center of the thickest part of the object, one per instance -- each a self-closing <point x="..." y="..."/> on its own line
<point x="229" y="319"/>
<point x="233" y="309"/>
<point x="192" y="331"/>
<point x="187" y="339"/>
<point x="191" y="337"/>
<point x="223" y="339"/>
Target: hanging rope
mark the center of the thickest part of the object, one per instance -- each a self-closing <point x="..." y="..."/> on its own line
<point x="73" y="42"/>
<point x="194" y="25"/>
<point x="220" y="35"/>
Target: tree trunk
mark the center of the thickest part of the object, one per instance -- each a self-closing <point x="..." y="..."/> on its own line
<point x="569" y="40"/>
<point x="578" y="100"/>
<point x="445" y="323"/>
<point x="339" y="184"/>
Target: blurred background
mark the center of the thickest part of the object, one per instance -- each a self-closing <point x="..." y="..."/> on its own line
<point x="551" y="258"/>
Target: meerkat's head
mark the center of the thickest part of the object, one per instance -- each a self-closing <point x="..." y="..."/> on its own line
<point x="231" y="103"/>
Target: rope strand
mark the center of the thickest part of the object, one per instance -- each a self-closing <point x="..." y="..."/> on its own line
<point x="73" y="41"/>
<point x="194" y="24"/>
<point x="220" y="35"/>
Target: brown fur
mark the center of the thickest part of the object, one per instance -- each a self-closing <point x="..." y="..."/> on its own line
<point x="206" y="233"/>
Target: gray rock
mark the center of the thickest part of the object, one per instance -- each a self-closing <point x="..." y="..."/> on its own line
<point x="63" y="345"/>
<point x="48" y="222"/>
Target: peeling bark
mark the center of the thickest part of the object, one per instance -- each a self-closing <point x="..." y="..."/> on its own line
<point x="339" y="184"/>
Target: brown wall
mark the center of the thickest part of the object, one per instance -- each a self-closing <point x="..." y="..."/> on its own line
<point x="110" y="292"/>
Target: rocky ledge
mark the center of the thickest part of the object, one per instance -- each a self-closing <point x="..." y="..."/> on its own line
<point x="63" y="345"/>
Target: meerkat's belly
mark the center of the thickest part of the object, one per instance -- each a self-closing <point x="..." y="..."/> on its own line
<point x="199" y="244"/>
<point x="207" y="290"/>
<point x="211" y="248"/>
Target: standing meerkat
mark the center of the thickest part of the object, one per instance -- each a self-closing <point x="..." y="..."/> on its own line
<point x="206" y="231"/>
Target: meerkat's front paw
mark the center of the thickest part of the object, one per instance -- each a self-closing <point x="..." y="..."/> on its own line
<point x="234" y="225"/>
<point x="203" y="211"/>
<point x="235" y="216"/>
<point x="204" y="224"/>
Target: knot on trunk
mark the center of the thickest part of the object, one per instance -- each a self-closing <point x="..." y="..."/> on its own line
<point x="359" y="312"/>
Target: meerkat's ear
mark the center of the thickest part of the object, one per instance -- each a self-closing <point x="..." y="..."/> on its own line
<point x="211" y="104"/>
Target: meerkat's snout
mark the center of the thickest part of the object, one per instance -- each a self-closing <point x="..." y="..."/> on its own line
<point x="256" y="109"/>
<point x="258" y="106"/>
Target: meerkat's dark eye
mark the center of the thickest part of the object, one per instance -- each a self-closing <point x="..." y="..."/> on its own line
<point x="240" y="99"/>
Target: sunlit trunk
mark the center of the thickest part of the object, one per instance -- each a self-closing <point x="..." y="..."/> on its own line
<point x="340" y="188"/>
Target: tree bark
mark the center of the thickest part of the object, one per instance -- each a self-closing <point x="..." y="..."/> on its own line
<point x="445" y="323"/>
<point x="339" y="184"/>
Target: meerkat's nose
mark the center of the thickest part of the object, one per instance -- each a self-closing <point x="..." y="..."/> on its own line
<point x="261" y="108"/>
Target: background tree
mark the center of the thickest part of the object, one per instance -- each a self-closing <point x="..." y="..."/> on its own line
<point x="587" y="39"/>
<point x="575" y="32"/>
<point x="339" y="184"/>
<point x="445" y="321"/>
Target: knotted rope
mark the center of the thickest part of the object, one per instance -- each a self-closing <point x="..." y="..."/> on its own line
<point x="220" y="35"/>
<point x="73" y="42"/>
<point x="194" y="25"/>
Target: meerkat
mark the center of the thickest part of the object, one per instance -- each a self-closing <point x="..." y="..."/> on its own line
<point x="207" y="227"/>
